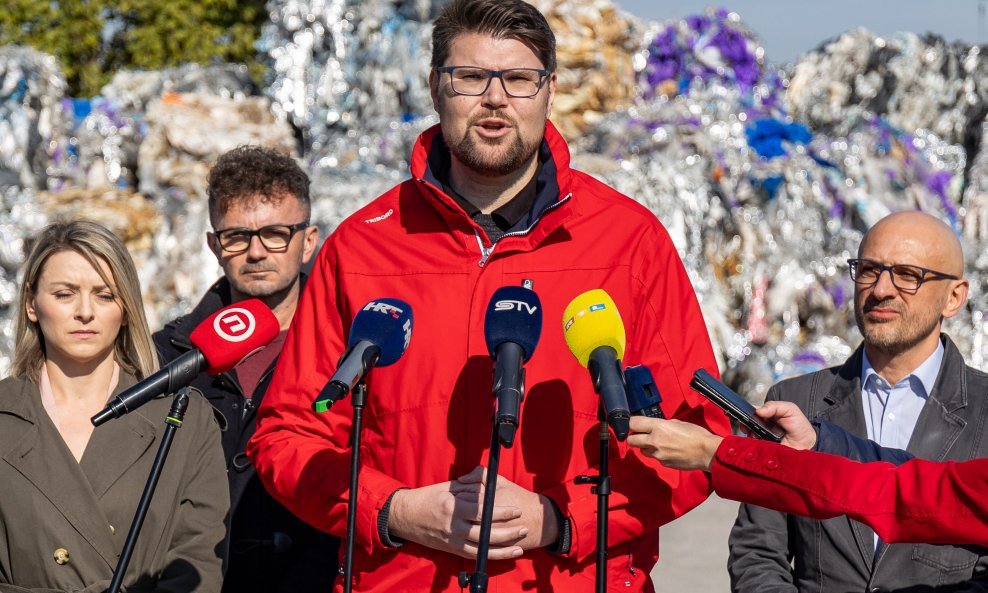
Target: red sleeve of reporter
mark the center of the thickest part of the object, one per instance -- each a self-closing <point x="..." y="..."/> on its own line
<point x="666" y="332"/>
<point x="918" y="501"/>
<point x="302" y="457"/>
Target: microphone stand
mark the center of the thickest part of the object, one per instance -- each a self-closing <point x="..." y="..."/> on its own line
<point x="359" y="399"/>
<point x="502" y="432"/>
<point x="601" y="486"/>
<point x="176" y="415"/>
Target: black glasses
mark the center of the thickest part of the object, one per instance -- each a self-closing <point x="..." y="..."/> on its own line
<point x="473" y="80"/>
<point x="907" y="278"/>
<point x="274" y="237"/>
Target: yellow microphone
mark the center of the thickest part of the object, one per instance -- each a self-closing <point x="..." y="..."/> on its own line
<point x="595" y="335"/>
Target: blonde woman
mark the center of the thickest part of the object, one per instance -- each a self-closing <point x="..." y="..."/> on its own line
<point x="68" y="492"/>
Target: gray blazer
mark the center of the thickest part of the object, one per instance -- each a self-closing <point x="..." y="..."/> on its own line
<point x="63" y="523"/>
<point x="838" y="555"/>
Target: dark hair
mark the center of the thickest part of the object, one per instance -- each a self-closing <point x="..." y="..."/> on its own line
<point x="254" y="173"/>
<point x="502" y="19"/>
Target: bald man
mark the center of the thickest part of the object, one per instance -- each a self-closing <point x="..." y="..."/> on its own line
<point x="906" y="387"/>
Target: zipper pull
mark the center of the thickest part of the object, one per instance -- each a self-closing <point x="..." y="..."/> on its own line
<point x="485" y="252"/>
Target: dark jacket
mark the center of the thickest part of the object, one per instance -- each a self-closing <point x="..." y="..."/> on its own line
<point x="838" y="555"/>
<point x="49" y="502"/>
<point x="269" y="549"/>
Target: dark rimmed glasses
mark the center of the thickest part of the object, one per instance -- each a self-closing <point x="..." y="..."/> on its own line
<point x="274" y="237"/>
<point x="866" y="272"/>
<point x="474" y="80"/>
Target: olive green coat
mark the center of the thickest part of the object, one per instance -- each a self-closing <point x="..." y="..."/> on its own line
<point x="63" y="523"/>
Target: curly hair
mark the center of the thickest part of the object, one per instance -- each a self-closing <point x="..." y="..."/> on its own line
<point x="254" y="173"/>
<point x="502" y="19"/>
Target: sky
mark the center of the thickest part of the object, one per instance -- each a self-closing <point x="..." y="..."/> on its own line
<point x="789" y="28"/>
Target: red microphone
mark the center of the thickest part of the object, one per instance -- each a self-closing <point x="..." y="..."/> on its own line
<point x="222" y="341"/>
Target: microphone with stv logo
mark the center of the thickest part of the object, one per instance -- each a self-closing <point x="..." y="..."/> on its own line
<point x="222" y="341"/>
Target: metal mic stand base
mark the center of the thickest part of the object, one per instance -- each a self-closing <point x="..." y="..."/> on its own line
<point x="602" y="488"/>
<point x="176" y="415"/>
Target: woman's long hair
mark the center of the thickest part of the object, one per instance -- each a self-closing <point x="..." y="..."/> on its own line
<point x="134" y="350"/>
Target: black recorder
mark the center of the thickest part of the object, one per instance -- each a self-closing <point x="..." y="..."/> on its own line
<point x="733" y="405"/>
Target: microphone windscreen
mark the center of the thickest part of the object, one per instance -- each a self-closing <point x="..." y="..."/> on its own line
<point x="590" y="321"/>
<point x="514" y="314"/>
<point x="386" y="323"/>
<point x="227" y="337"/>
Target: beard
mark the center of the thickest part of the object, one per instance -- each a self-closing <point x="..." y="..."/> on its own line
<point x="492" y="157"/>
<point x="897" y="336"/>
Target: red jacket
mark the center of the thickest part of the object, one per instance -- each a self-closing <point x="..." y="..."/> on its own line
<point x="918" y="501"/>
<point x="428" y="417"/>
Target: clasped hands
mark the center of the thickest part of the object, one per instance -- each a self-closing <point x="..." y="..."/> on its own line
<point x="446" y="517"/>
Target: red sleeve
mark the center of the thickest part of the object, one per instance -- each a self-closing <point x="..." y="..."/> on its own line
<point x="303" y="458"/>
<point x="918" y="501"/>
<point x="666" y="333"/>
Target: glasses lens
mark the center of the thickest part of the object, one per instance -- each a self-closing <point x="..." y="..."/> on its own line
<point x="469" y="81"/>
<point x="521" y="82"/>
<point x="275" y="237"/>
<point x="235" y="240"/>
<point x="907" y="277"/>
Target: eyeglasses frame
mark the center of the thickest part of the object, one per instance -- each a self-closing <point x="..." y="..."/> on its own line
<point x="251" y="233"/>
<point x="491" y="75"/>
<point x="933" y="274"/>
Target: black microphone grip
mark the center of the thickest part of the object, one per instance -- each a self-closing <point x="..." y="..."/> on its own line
<point x="608" y="381"/>
<point x="356" y="362"/>
<point x="179" y="373"/>
<point x="509" y="389"/>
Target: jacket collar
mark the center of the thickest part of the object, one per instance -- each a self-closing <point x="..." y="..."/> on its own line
<point x="553" y="202"/>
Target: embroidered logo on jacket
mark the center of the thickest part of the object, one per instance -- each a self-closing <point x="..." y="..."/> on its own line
<point x="381" y="217"/>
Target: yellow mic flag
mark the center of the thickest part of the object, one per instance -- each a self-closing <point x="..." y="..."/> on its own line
<point x="590" y="321"/>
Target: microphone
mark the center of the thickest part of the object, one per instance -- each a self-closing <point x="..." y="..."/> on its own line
<point x="379" y="335"/>
<point x="512" y="328"/>
<point x="595" y="335"/>
<point x="643" y="395"/>
<point x="222" y="341"/>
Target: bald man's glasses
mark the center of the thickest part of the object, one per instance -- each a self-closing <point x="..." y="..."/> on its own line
<point x="906" y="278"/>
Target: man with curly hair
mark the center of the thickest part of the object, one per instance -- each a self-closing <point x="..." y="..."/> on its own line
<point x="259" y="210"/>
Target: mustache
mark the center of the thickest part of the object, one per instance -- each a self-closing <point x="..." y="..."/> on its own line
<point x="888" y="303"/>
<point x="258" y="267"/>
<point x="493" y="114"/>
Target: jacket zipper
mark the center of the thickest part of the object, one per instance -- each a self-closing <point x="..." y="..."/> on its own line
<point x="485" y="252"/>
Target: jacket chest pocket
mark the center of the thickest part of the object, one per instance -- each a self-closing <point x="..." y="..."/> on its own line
<point x="946" y="559"/>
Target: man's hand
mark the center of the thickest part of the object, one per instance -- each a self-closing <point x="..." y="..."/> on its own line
<point x="799" y="433"/>
<point x="679" y="445"/>
<point x="436" y="517"/>
<point x="536" y="519"/>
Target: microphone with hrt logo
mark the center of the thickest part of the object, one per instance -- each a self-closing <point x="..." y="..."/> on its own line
<point x="224" y="340"/>
<point x="512" y="328"/>
<point x="379" y="335"/>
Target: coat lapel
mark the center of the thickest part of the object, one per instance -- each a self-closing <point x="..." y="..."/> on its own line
<point x="842" y="406"/>
<point x="938" y="426"/>
<point x="44" y="460"/>
<point x="124" y="439"/>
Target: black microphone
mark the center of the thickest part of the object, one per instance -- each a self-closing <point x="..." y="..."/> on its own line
<point x="379" y="335"/>
<point x="643" y="395"/>
<point x="512" y="328"/>
<point x="224" y="340"/>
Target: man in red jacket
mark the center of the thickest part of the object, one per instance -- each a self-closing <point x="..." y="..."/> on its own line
<point x="492" y="202"/>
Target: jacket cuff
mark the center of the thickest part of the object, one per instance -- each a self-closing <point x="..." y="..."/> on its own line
<point x="562" y="545"/>
<point x="382" y="525"/>
<point x="376" y="489"/>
